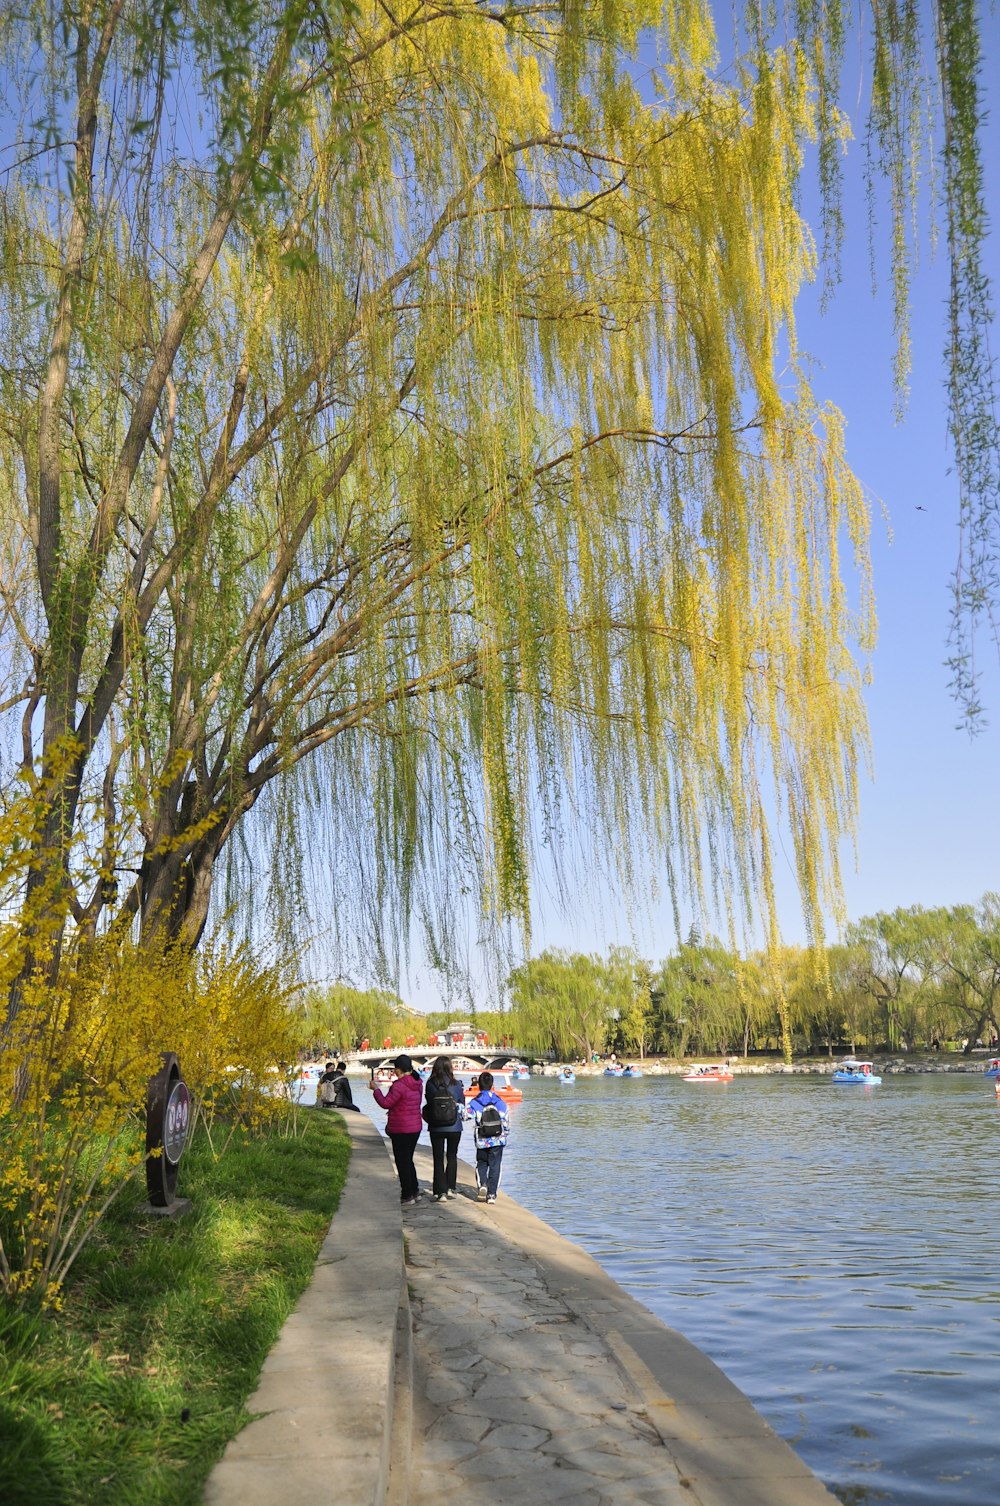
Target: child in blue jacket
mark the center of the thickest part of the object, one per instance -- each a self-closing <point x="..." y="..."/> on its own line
<point x="491" y="1127"/>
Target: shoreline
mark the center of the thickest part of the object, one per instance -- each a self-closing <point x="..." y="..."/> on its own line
<point x="888" y="1065"/>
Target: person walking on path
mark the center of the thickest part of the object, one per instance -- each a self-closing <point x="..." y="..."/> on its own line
<point x="403" y="1125"/>
<point x="444" y="1110"/>
<point x="491" y="1126"/>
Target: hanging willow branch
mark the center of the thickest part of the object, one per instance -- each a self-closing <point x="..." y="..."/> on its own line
<point x="972" y="380"/>
<point x="405" y="439"/>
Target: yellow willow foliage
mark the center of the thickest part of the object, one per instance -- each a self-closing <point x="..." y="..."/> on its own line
<point x="487" y="496"/>
<point x="74" y="1076"/>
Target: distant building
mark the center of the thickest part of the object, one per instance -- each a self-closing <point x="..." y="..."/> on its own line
<point x="461" y="1034"/>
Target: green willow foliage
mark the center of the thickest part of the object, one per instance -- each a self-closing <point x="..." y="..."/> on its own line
<point x="972" y="388"/>
<point x="392" y="429"/>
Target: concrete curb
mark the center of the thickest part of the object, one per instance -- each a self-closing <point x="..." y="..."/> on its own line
<point x="326" y="1390"/>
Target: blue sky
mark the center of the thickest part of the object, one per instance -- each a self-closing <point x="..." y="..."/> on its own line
<point x="930" y="821"/>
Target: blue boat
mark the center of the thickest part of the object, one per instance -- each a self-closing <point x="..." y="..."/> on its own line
<point x="566" y="1075"/>
<point x="614" y="1071"/>
<point x="632" y="1072"/>
<point x="852" y="1070"/>
<point x="992" y="1068"/>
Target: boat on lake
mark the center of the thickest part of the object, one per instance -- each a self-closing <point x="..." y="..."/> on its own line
<point x="503" y="1087"/>
<point x="614" y="1070"/>
<point x="632" y="1072"/>
<point x="992" y="1068"/>
<point x="566" y="1075"/>
<point x="462" y="1065"/>
<point x="708" y="1074"/>
<point x="852" y="1070"/>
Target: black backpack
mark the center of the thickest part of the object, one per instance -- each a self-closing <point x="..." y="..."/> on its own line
<point x="443" y="1108"/>
<point x="490" y="1126"/>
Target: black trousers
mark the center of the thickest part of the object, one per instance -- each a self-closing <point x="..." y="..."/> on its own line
<point x="403" y="1147"/>
<point x="445" y="1151"/>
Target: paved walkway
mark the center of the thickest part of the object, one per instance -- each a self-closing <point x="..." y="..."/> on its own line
<point x="528" y="1381"/>
<point x="511" y="1391"/>
<point x="499" y="1359"/>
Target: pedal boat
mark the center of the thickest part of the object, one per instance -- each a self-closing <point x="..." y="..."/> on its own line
<point x="708" y="1074"/>
<point x="567" y="1075"/>
<point x="855" y="1071"/>
<point x="992" y="1068"/>
<point x="632" y="1072"/>
<point x="614" y="1071"/>
<point x="502" y="1087"/>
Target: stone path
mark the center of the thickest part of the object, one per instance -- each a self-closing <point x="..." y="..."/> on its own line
<point x="501" y="1359"/>
<point x="513" y="1393"/>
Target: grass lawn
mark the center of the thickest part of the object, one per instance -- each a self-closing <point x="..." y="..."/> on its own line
<point x="130" y="1394"/>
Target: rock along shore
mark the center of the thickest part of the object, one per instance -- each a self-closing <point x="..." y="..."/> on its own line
<point x="750" y="1067"/>
<point x="464" y="1347"/>
<point x="805" y="1067"/>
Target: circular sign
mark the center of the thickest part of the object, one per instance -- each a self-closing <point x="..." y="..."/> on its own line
<point x="175" y="1122"/>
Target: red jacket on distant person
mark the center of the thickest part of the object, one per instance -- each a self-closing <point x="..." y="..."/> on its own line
<point x="403" y="1100"/>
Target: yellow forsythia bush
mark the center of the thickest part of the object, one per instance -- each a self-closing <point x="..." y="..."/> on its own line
<point x="74" y="1073"/>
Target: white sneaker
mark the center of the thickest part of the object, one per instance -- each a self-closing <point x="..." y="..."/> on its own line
<point x="491" y="1198"/>
<point x="449" y="1195"/>
<point x="481" y="1195"/>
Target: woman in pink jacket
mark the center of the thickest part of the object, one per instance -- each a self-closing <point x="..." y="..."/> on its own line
<point x="404" y="1124"/>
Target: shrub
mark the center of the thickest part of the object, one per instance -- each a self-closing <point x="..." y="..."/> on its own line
<point x="74" y="1075"/>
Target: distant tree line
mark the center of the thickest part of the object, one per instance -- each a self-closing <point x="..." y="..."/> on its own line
<point x="906" y="980"/>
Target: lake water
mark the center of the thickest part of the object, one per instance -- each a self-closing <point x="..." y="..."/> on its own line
<point x="833" y="1248"/>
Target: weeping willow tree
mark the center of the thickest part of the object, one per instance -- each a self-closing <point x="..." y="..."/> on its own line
<point x="566" y="1004"/>
<point x="405" y="438"/>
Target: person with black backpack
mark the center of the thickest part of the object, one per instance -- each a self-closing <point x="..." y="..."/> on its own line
<point x="444" y="1110"/>
<point x="491" y="1126"/>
